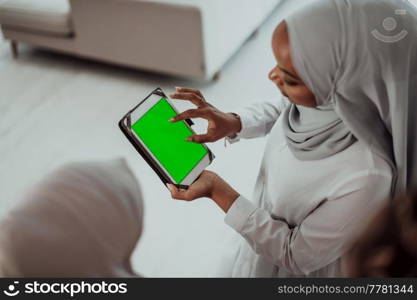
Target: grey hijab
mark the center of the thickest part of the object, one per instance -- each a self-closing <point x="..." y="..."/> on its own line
<point x="359" y="57"/>
<point x="315" y="133"/>
<point x="82" y="220"/>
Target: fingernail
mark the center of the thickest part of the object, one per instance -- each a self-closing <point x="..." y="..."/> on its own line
<point x="189" y="139"/>
<point x="169" y="186"/>
<point x="171" y="120"/>
<point x="177" y="88"/>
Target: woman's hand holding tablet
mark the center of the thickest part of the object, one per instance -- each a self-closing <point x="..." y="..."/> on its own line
<point x="166" y="141"/>
<point x="209" y="185"/>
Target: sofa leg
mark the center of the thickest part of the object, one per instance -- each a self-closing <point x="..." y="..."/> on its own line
<point x="14" y="48"/>
<point x="254" y="34"/>
<point x="216" y="76"/>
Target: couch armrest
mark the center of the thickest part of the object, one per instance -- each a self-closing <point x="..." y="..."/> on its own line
<point x="154" y="36"/>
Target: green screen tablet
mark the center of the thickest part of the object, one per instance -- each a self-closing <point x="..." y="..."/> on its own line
<point x="167" y="141"/>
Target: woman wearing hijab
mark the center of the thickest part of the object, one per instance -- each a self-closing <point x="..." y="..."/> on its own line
<point x="82" y="220"/>
<point x="341" y="142"/>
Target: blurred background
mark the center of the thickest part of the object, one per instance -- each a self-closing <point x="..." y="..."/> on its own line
<point x="69" y="70"/>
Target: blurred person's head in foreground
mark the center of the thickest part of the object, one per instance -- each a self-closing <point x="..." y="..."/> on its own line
<point x="82" y="220"/>
<point x="388" y="246"/>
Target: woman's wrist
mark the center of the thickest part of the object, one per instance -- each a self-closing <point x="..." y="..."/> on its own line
<point x="223" y="194"/>
<point x="236" y="125"/>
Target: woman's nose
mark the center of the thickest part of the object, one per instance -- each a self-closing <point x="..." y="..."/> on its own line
<point x="276" y="78"/>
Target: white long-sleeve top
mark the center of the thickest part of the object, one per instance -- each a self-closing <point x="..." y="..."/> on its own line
<point x="304" y="214"/>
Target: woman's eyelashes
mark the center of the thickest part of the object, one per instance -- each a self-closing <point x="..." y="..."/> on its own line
<point x="290" y="82"/>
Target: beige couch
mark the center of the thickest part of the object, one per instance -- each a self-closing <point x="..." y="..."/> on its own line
<point x="190" y="38"/>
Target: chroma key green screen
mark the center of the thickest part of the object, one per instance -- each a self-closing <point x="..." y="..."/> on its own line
<point x="167" y="141"/>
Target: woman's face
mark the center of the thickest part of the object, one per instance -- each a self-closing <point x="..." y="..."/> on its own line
<point x="284" y="74"/>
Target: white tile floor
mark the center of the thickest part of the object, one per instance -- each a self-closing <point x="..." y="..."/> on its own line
<point x="55" y="109"/>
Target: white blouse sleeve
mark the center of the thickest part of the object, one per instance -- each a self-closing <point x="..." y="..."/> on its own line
<point x="323" y="236"/>
<point x="259" y="118"/>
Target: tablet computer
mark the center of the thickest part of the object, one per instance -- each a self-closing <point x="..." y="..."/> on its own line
<point x="163" y="144"/>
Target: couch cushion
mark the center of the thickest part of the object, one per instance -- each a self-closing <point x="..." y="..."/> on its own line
<point x="46" y="16"/>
